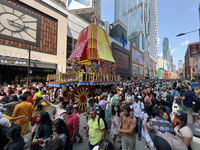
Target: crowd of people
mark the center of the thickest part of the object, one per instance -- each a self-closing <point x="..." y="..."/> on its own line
<point x="129" y="111"/>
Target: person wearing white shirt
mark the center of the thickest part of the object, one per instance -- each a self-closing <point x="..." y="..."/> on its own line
<point x="4" y="121"/>
<point x="138" y="107"/>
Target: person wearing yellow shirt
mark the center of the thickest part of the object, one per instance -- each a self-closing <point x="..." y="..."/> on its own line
<point x="23" y="108"/>
<point x="42" y="102"/>
<point x="37" y="94"/>
<point x="197" y="91"/>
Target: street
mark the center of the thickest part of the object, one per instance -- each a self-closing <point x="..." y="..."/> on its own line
<point x="140" y="145"/>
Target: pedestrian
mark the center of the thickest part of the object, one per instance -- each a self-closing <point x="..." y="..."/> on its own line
<point x="23" y="108"/>
<point x="115" y="124"/>
<point x="138" y="107"/>
<point x="72" y="122"/>
<point x="182" y="131"/>
<point x="37" y="94"/>
<point x="127" y="129"/>
<point x="43" y="129"/>
<point x="10" y="106"/>
<point x="111" y="100"/>
<point x="45" y="95"/>
<point x="29" y="98"/>
<point x="155" y="102"/>
<point x="102" y="103"/>
<point x="60" y="131"/>
<point x="187" y="102"/>
<point x="16" y="140"/>
<point x="96" y="129"/>
<point x="160" y="124"/>
<point x="60" y="109"/>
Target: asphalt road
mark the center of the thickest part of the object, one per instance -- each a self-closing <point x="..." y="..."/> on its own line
<point x="140" y="145"/>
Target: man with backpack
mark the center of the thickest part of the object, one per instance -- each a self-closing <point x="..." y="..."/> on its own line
<point x="96" y="127"/>
<point x="127" y="129"/>
<point x="187" y="102"/>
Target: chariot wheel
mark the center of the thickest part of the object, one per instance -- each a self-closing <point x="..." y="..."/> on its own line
<point x="80" y="95"/>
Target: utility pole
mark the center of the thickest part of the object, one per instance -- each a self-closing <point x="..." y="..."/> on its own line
<point x="29" y="59"/>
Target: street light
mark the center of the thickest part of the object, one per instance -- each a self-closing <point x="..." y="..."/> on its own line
<point x="181" y="34"/>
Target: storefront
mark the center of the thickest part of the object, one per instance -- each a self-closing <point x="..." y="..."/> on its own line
<point x="31" y="25"/>
<point x="14" y="70"/>
<point x="123" y="61"/>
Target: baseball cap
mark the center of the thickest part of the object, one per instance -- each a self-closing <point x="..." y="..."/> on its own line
<point x="69" y="107"/>
<point x="30" y="86"/>
<point x="181" y="115"/>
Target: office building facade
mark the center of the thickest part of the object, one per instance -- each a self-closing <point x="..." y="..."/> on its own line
<point x="140" y="17"/>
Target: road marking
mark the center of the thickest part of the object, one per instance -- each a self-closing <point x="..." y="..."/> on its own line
<point x="28" y="134"/>
<point x="82" y="114"/>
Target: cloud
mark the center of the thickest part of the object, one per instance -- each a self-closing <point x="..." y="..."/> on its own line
<point x="160" y="55"/>
<point x="173" y="50"/>
<point x="185" y="43"/>
<point x="190" y="10"/>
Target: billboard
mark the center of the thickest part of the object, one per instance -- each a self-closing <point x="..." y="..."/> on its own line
<point x="194" y="50"/>
<point x="122" y="60"/>
<point x="85" y="9"/>
<point x="137" y="56"/>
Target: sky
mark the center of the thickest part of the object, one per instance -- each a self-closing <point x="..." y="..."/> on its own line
<point x="174" y="17"/>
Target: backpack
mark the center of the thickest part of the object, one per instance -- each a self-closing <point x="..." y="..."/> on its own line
<point x="131" y="119"/>
<point x="195" y="102"/>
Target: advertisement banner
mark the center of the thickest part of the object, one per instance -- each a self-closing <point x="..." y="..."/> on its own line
<point x="158" y="73"/>
<point x="194" y="50"/>
<point x="137" y="56"/>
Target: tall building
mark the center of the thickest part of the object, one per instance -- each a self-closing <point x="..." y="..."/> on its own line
<point x="180" y="66"/>
<point x="165" y="48"/>
<point x="171" y="62"/>
<point x="140" y="17"/>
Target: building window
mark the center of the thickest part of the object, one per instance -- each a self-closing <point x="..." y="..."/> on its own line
<point x="130" y="10"/>
<point x="141" y="70"/>
<point x="135" y="69"/>
<point x="70" y="45"/>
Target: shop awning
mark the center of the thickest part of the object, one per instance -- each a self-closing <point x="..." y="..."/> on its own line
<point x="92" y="44"/>
<point x="12" y="61"/>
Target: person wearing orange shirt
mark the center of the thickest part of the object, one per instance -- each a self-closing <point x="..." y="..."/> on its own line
<point x="146" y="91"/>
<point x="23" y="108"/>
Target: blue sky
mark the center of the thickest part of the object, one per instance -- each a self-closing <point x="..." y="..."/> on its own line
<point x="174" y="17"/>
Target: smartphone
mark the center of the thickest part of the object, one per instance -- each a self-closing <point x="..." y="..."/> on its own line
<point x="40" y="142"/>
<point x="148" y="118"/>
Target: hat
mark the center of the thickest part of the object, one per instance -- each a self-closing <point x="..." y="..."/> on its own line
<point x="181" y="115"/>
<point x="139" y="97"/>
<point x="69" y="107"/>
<point x="30" y="87"/>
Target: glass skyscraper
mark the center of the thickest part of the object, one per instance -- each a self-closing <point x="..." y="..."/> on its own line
<point x="140" y="17"/>
<point x="165" y="48"/>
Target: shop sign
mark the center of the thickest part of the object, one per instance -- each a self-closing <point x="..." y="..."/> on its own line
<point x="11" y="53"/>
<point x="194" y="50"/>
<point x="10" y="62"/>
